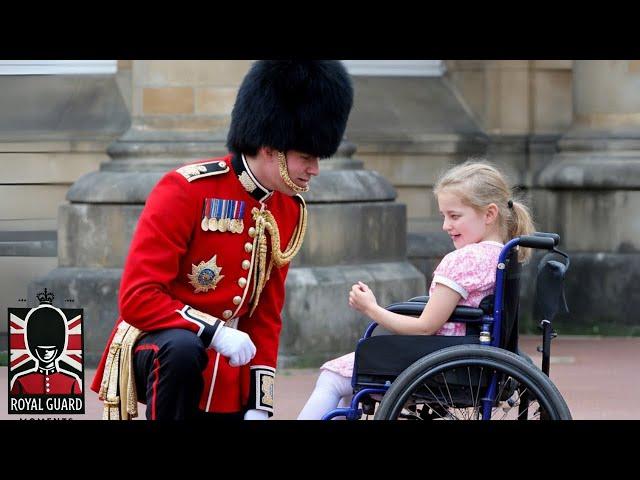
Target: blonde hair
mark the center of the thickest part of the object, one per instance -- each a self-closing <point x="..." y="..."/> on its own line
<point x="479" y="183"/>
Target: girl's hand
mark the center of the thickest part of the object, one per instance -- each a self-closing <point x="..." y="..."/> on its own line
<point x="361" y="298"/>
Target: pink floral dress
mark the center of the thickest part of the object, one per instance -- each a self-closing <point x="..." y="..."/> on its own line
<point x="470" y="271"/>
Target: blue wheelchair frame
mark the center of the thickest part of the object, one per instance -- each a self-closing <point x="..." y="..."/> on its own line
<point x="491" y="329"/>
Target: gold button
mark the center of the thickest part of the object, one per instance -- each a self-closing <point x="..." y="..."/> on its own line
<point x="252" y="232"/>
<point x="242" y="282"/>
<point x="246" y="264"/>
<point x="248" y="247"/>
<point x="222" y="164"/>
<point x="226" y="314"/>
<point x="237" y="299"/>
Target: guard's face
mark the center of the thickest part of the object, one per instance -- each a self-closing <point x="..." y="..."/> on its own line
<point x="301" y="167"/>
<point x="463" y="223"/>
<point x="46" y="353"/>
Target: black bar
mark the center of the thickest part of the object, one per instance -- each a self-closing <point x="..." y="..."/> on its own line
<point x="546" y="346"/>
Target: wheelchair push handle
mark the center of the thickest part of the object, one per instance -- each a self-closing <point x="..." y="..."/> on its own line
<point x="555" y="236"/>
<point x="535" y="241"/>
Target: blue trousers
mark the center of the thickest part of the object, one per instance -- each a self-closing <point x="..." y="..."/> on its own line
<point x="168" y="367"/>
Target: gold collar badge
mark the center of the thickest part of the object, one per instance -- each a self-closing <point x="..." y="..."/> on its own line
<point x="248" y="184"/>
<point x="205" y="276"/>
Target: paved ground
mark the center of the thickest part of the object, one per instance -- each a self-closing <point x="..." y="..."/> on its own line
<point x="598" y="377"/>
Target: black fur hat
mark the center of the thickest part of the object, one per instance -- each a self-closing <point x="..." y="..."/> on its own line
<point x="46" y="327"/>
<point x="291" y="105"/>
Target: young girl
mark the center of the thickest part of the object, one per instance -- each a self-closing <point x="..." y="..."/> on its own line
<point x="480" y="215"/>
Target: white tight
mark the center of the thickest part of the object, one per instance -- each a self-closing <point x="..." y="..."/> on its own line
<point x="332" y="390"/>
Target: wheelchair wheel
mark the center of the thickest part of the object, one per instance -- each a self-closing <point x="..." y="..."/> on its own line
<point x="451" y="384"/>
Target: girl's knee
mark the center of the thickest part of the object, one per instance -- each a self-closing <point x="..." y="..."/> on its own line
<point x="335" y="382"/>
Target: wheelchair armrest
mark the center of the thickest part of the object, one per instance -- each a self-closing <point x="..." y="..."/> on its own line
<point x="422" y="298"/>
<point x="415" y="308"/>
<point x="407" y="308"/>
<point x="467" y="315"/>
<point x="460" y="314"/>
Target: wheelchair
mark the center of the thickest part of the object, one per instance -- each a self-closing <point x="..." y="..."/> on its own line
<point x="480" y="376"/>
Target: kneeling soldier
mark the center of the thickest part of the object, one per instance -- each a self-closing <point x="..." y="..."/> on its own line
<point x="203" y="285"/>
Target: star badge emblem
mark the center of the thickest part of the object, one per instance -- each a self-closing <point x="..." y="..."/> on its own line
<point x="205" y="276"/>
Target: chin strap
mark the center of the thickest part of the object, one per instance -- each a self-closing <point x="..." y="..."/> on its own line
<point x="284" y="173"/>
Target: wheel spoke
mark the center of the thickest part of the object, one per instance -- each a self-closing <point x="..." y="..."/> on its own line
<point x="437" y="400"/>
<point x="436" y="387"/>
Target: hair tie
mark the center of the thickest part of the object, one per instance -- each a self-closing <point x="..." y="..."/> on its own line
<point x="510" y="204"/>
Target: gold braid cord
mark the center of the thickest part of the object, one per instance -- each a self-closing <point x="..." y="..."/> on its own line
<point x="118" y="388"/>
<point x="266" y="223"/>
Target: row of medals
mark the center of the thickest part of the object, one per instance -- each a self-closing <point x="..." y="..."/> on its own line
<point x="233" y="225"/>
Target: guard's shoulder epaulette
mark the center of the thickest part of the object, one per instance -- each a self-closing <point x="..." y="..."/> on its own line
<point x="204" y="169"/>
<point x="300" y="200"/>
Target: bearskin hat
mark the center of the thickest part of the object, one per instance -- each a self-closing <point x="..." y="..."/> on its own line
<point x="291" y="105"/>
<point x="46" y="326"/>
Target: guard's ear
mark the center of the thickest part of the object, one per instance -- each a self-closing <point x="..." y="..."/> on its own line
<point x="268" y="153"/>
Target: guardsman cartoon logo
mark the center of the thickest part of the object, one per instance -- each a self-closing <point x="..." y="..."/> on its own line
<point x="46" y="372"/>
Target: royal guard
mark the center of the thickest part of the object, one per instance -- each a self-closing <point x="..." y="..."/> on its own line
<point x="203" y="285"/>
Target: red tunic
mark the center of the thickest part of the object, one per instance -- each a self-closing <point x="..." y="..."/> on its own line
<point x="40" y="383"/>
<point x="169" y="244"/>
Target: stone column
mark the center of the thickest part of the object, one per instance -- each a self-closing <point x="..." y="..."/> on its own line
<point x="181" y="112"/>
<point x="57" y="118"/>
<point x="524" y="106"/>
<point x="593" y="197"/>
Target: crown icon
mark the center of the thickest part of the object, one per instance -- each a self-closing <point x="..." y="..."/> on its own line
<point x="45" y="297"/>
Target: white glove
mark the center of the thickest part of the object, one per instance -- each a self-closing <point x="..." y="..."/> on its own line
<point x="234" y="344"/>
<point x="256" y="415"/>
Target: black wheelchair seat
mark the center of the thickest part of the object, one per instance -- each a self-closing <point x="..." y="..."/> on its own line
<point x="382" y="358"/>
